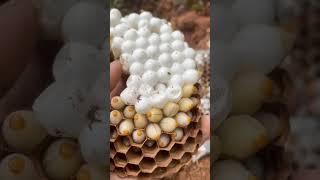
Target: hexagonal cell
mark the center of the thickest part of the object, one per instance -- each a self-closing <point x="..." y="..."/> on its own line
<point x="169" y="146"/>
<point x="159" y="172"/>
<point x="122" y="144"/>
<point x="190" y="145"/>
<point x="150" y="148"/>
<point x="134" y="155"/>
<point x="112" y="150"/>
<point x="192" y="129"/>
<point x="199" y="137"/>
<point x="132" y="169"/>
<point x="174" y="166"/>
<point x="113" y="133"/>
<point x="186" y="158"/>
<point x="143" y="175"/>
<point x="177" y="151"/>
<point x="163" y="158"/>
<point x="147" y="165"/>
<point x="112" y="167"/>
<point x="120" y="172"/>
<point x="120" y="160"/>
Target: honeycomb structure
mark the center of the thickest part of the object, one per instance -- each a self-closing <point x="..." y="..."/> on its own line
<point x="148" y="159"/>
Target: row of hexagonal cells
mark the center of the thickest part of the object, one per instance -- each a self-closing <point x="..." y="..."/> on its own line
<point x="151" y="160"/>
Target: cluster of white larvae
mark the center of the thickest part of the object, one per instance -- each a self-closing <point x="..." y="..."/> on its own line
<point x="72" y="109"/>
<point x="248" y="44"/>
<point x="156" y="57"/>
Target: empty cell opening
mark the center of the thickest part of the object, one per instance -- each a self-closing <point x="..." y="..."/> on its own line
<point x="149" y="147"/>
<point x="143" y="175"/>
<point x="190" y="144"/>
<point x="173" y="163"/>
<point x="112" y="167"/>
<point x="199" y="137"/>
<point x="134" y="154"/>
<point x="112" y="149"/>
<point x="122" y="144"/>
<point x="159" y="171"/>
<point x="162" y="156"/>
<point x="113" y="132"/>
<point x="120" y="158"/>
<point x="147" y="163"/>
<point x="133" y="168"/>
<point x="120" y="171"/>
<point x="176" y="150"/>
<point x="125" y="141"/>
<point x="185" y="158"/>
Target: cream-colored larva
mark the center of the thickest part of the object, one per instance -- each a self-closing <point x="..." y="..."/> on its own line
<point x="115" y="117"/>
<point x="188" y="90"/>
<point x="129" y="112"/>
<point x="178" y="134"/>
<point x="126" y="127"/>
<point x="138" y="136"/>
<point x="168" y="124"/>
<point x="62" y="159"/>
<point x="140" y="121"/>
<point x="171" y="109"/>
<point x="153" y="131"/>
<point x="185" y="104"/>
<point x="183" y="119"/>
<point x="164" y="140"/>
<point x="117" y="103"/>
<point x="22" y="130"/>
<point x="17" y="167"/>
<point x="154" y="115"/>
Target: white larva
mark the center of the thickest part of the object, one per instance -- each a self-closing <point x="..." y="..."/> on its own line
<point x="145" y="15"/>
<point x="126" y="127"/>
<point x="51" y="15"/>
<point x="150" y="78"/>
<point x="177" y="56"/>
<point x="165" y="28"/>
<point x="87" y="172"/>
<point x="144" y="24"/>
<point x="138" y="136"/>
<point x="152" y="51"/>
<point x="131" y="34"/>
<point x="177" y="35"/>
<point x="159" y="100"/>
<point x="139" y="55"/>
<point x="142" y="43"/>
<point x="62" y="159"/>
<point x="92" y="142"/>
<point x="128" y="46"/>
<point x="166" y="38"/>
<point x="164" y="74"/>
<point x="176" y="80"/>
<point x="76" y="58"/>
<point x="133" y="81"/>
<point x="152" y="65"/>
<point x="189" y="53"/>
<point x="177" y="68"/>
<point x="174" y="93"/>
<point x="64" y="99"/>
<point x="155" y="24"/>
<point x="121" y="29"/>
<point x="22" y="130"/>
<point x="136" y="68"/>
<point x="84" y="22"/>
<point x="177" y="45"/>
<point x="168" y="124"/>
<point x="189" y="64"/>
<point x="165" y="60"/>
<point x="129" y="95"/>
<point x="153" y="131"/>
<point x="16" y="167"/>
<point x="144" y="31"/>
<point x="142" y="105"/>
<point x="133" y="20"/>
<point x="191" y="76"/>
<point x="154" y="39"/>
<point x="140" y="121"/>
<point x="165" y="48"/>
<point x="164" y="140"/>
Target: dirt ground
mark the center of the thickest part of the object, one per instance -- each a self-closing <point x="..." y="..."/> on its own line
<point x="196" y="171"/>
